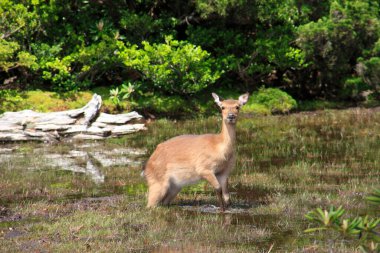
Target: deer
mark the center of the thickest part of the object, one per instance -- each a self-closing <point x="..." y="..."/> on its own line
<point x="186" y="159"/>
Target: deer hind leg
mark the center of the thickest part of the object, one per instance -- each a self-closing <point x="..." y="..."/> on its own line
<point x="156" y="194"/>
<point x="171" y="194"/>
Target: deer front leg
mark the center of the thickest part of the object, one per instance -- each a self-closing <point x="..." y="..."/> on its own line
<point x="211" y="178"/>
<point x="223" y="181"/>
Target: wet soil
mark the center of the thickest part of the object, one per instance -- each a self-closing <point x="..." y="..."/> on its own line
<point x="7" y="215"/>
<point x="251" y="195"/>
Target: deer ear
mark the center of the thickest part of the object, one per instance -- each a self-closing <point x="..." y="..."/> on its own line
<point x="243" y="99"/>
<point x="216" y="99"/>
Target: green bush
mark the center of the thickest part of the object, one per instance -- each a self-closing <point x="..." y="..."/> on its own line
<point x="353" y="86"/>
<point x="17" y="23"/>
<point x="81" y="69"/>
<point x="12" y="57"/>
<point x="316" y="50"/>
<point x="256" y="108"/>
<point x="175" y="67"/>
<point x="7" y="51"/>
<point x="98" y="60"/>
<point x="369" y="72"/>
<point x="270" y="100"/>
<point x="141" y="26"/>
<point x="334" y="43"/>
<point x="10" y="100"/>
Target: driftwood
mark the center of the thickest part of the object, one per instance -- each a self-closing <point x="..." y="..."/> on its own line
<point x="85" y="123"/>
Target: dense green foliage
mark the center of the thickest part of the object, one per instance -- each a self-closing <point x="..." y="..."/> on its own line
<point x="272" y="99"/>
<point x="311" y="49"/>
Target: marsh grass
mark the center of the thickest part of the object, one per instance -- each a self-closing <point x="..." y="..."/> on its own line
<point x="287" y="166"/>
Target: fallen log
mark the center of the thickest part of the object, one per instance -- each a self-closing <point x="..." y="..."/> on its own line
<point x="84" y="123"/>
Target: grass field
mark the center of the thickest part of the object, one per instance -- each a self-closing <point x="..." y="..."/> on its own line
<point x="287" y="166"/>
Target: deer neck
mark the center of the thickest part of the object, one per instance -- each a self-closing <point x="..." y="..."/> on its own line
<point x="228" y="135"/>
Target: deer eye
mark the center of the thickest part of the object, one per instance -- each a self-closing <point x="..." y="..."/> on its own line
<point x="222" y="107"/>
<point x="237" y="107"/>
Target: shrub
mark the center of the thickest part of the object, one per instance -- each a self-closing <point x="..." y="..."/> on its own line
<point x="11" y="57"/>
<point x="80" y="69"/>
<point x="10" y="100"/>
<point x="369" y="72"/>
<point x="270" y="100"/>
<point x="256" y="109"/>
<point x="58" y="72"/>
<point x="174" y="67"/>
<point x="7" y="50"/>
<point x="334" y="43"/>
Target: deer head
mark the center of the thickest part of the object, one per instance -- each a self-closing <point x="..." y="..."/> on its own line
<point x="230" y="107"/>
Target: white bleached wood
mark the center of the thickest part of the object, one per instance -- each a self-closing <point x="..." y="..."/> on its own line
<point x="118" y="119"/>
<point x="85" y="123"/>
<point x="125" y="129"/>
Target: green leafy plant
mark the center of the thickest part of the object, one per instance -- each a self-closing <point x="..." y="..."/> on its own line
<point x="374" y="198"/>
<point x="363" y="227"/>
<point x="124" y="92"/>
<point x="176" y="67"/>
<point x="330" y="218"/>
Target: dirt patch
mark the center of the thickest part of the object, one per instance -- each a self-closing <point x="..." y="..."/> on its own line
<point x="251" y="195"/>
<point x="255" y="219"/>
<point x="7" y="215"/>
<point x="243" y="197"/>
<point x="95" y="202"/>
<point x="13" y="234"/>
<point x="183" y="248"/>
<point x="31" y="246"/>
<point x="339" y="178"/>
<point x="90" y="203"/>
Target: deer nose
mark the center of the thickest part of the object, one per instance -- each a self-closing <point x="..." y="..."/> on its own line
<point x="231" y="116"/>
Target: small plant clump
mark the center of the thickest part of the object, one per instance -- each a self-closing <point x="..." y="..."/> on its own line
<point x="365" y="229"/>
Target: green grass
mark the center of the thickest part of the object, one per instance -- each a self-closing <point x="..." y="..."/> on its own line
<point x="45" y="101"/>
<point x="263" y="102"/>
<point x="287" y="166"/>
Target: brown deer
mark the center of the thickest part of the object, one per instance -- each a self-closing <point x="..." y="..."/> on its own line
<point x="185" y="159"/>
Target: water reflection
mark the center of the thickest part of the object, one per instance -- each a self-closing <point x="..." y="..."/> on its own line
<point x="87" y="158"/>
